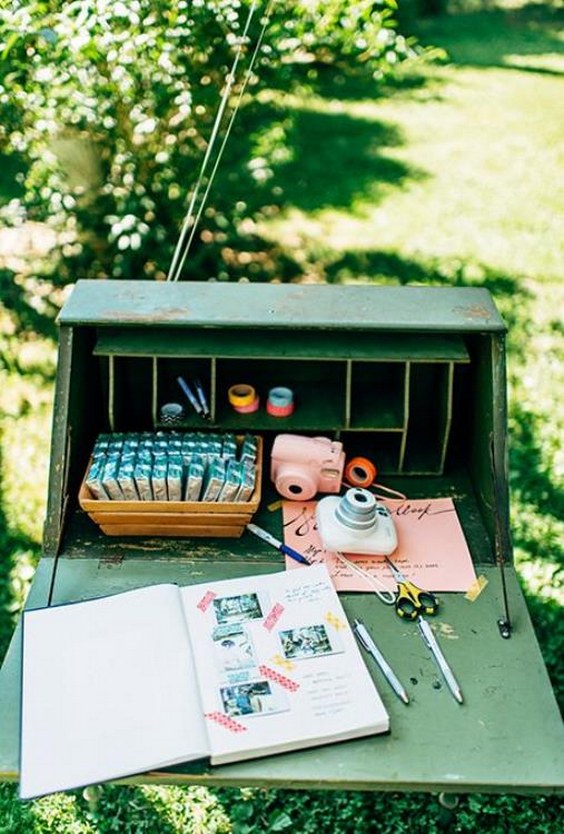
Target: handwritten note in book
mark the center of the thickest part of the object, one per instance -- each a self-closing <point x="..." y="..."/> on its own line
<point x="432" y="550"/>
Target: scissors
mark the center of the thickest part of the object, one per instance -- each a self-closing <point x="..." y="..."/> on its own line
<point x="411" y="600"/>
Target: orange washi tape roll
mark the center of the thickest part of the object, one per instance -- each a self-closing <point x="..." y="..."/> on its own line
<point x="360" y="472"/>
<point x="241" y="395"/>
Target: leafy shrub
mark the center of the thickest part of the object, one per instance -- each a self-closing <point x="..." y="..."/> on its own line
<point x="112" y="104"/>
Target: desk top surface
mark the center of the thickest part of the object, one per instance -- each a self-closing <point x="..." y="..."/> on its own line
<point x="218" y="304"/>
<point x="507" y="737"/>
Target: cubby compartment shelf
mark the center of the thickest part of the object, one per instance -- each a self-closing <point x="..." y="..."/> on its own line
<point x="319" y="391"/>
<point x="377" y="396"/>
<point x="408" y="400"/>
<point x="430" y="395"/>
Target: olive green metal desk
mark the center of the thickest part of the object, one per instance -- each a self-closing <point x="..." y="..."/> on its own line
<point x="413" y="376"/>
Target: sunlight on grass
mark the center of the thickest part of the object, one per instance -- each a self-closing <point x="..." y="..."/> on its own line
<point x="26" y="409"/>
<point x="60" y="813"/>
<point x="144" y="809"/>
<point x="187" y="810"/>
<point x="26" y="402"/>
<point x="542" y="578"/>
<point x="484" y="149"/>
<point x="20" y="577"/>
<point x="548" y="62"/>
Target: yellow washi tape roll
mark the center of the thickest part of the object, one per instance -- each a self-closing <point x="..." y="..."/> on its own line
<point x="241" y="395"/>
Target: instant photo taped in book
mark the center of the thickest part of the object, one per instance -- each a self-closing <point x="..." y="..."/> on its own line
<point x="309" y="641"/>
<point x="240" y="608"/>
<point x="253" y="698"/>
<point x="233" y="649"/>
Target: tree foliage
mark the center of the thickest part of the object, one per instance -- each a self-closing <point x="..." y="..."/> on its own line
<point x="111" y="106"/>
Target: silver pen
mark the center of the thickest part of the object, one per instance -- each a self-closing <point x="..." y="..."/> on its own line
<point x="430" y="640"/>
<point x="202" y="397"/>
<point x="368" y="643"/>
<point x="189" y="395"/>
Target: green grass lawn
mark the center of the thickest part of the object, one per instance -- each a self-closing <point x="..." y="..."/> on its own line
<point x="451" y="177"/>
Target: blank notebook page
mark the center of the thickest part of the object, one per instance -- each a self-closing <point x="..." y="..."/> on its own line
<point x="76" y="729"/>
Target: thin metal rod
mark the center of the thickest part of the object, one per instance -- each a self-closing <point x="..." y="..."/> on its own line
<point x="224" y="142"/>
<point x="174" y="272"/>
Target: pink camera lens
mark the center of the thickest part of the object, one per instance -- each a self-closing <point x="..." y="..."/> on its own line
<point x="295" y="485"/>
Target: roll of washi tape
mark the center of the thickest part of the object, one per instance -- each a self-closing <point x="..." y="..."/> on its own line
<point x="248" y="409"/>
<point x="279" y="410"/>
<point x="280" y="402"/>
<point x="171" y="414"/>
<point x="241" y="395"/>
<point x="281" y="396"/>
<point x="360" y="472"/>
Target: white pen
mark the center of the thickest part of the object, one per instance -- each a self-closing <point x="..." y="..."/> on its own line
<point x="430" y="640"/>
<point x="368" y="643"/>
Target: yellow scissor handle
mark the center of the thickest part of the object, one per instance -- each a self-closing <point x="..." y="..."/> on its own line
<point x="412" y="601"/>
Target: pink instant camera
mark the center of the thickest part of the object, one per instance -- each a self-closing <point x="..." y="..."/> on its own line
<point x="302" y="466"/>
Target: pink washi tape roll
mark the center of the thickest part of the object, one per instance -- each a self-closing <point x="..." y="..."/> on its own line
<point x="248" y="409"/>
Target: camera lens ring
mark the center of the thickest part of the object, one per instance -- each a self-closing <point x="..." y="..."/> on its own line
<point x="295" y="484"/>
<point x="357" y="510"/>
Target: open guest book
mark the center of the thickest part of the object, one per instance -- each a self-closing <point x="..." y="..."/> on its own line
<point x="225" y="671"/>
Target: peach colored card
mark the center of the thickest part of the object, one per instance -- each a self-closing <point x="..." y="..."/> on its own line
<point x="432" y="550"/>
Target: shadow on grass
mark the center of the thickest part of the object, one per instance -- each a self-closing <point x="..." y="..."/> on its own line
<point x="376" y="265"/>
<point x="312" y="160"/>
<point x="531" y="479"/>
<point x="548" y="622"/>
<point x="517" y="38"/>
<point x="300" y="158"/>
<point x="333" y="85"/>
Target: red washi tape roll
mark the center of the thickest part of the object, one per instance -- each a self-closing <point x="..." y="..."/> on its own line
<point x="360" y="472"/>
<point x="279" y="410"/>
<point x="280" y="402"/>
